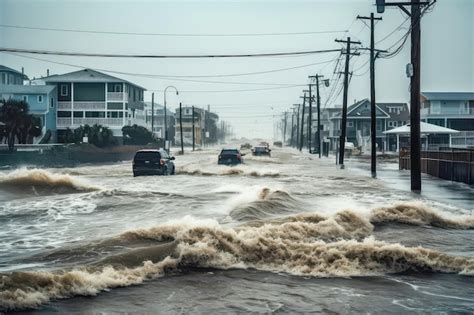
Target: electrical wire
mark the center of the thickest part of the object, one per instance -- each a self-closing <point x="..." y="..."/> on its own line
<point x="153" y="56"/>
<point x="36" y="28"/>
<point x="166" y="76"/>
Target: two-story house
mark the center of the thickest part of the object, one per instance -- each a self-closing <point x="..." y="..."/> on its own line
<point x="159" y="120"/>
<point x="9" y="76"/>
<point x="453" y="110"/>
<point x="358" y="125"/>
<point x="187" y="120"/>
<point x="92" y="97"/>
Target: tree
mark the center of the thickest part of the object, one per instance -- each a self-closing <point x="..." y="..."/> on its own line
<point x="137" y="135"/>
<point x="17" y="124"/>
<point x="97" y="135"/>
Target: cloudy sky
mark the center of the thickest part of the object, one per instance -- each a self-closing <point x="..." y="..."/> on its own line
<point x="250" y="102"/>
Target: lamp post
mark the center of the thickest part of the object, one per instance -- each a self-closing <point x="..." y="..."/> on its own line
<point x="166" y="120"/>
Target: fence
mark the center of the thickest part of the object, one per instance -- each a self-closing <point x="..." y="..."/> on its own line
<point x="453" y="164"/>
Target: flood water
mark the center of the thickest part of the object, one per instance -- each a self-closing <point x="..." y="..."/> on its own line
<point x="285" y="234"/>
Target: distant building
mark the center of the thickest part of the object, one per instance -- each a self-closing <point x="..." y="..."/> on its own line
<point x="92" y="97"/>
<point x="159" y="120"/>
<point x="9" y="76"/>
<point x="42" y="102"/>
<point x="187" y="120"/>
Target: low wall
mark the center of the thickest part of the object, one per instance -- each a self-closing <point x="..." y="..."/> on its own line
<point x="455" y="165"/>
<point x="60" y="156"/>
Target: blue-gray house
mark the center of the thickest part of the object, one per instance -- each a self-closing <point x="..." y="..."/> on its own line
<point x="42" y="102"/>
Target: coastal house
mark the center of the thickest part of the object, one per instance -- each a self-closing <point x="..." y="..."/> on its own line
<point x="187" y="120"/>
<point x="92" y="97"/>
<point x="159" y="120"/>
<point x="42" y="102"/>
<point x="9" y="76"/>
<point x="453" y="110"/>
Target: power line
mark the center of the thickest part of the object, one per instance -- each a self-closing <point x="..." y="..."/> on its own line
<point x="166" y="76"/>
<point x="36" y="28"/>
<point x="152" y="56"/>
<point x="232" y="91"/>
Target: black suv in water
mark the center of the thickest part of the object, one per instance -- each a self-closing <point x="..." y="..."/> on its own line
<point x="153" y="162"/>
<point x="230" y="157"/>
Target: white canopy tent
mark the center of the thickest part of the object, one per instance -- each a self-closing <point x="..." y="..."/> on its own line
<point x="425" y="129"/>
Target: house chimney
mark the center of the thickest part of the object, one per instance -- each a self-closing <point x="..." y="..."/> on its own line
<point x="47" y="72"/>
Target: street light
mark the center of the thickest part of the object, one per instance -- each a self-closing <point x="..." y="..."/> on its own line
<point x="166" y="121"/>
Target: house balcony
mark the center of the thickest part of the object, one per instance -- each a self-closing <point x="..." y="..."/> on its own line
<point x="447" y="111"/>
<point x="64" y="105"/>
<point x="63" y="122"/>
<point x="117" y="96"/>
<point x="89" y="105"/>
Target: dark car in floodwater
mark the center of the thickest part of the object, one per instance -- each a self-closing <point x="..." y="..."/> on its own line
<point x="153" y="162"/>
<point x="230" y="157"/>
<point x="261" y="151"/>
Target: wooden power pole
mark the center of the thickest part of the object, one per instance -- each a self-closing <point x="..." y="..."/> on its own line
<point x="342" y="139"/>
<point x="181" y="127"/>
<point x="318" y="103"/>
<point x="194" y="138"/>
<point x="373" y="113"/>
<point x="302" y="123"/>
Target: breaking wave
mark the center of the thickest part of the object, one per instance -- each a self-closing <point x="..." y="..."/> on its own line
<point x="227" y="171"/>
<point x="416" y="213"/>
<point x="42" y="182"/>
<point x="303" y="245"/>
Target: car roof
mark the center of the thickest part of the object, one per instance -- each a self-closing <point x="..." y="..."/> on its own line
<point x="150" y="150"/>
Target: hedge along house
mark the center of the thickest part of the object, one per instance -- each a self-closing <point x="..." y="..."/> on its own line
<point x="92" y="97"/>
<point x="42" y="102"/>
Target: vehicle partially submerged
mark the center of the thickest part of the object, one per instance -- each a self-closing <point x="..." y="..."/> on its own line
<point x="153" y="162"/>
<point x="230" y="157"/>
<point x="260" y="150"/>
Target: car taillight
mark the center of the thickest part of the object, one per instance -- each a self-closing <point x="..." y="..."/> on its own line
<point x="162" y="162"/>
<point x="239" y="156"/>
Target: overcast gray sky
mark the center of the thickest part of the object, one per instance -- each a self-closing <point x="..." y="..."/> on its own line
<point x="447" y="48"/>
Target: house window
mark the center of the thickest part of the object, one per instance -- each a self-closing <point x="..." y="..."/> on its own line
<point x="350" y="124"/>
<point x="4" y="78"/>
<point x="64" y="114"/>
<point x="40" y="98"/>
<point x="118" y="87"/>
<point x="64" y="90"/>
<point x="95" y="114"/>
<point x="52" y="103"/>
<point x="78" y="114"/>
<point x="25" y="98"/>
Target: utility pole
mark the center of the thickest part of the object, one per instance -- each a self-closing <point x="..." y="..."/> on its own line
<point x="181" y="127"/>
<point x="310" y="116"/>
<point x="413" y="70"/>
<point x="373" y="114"/>
<point x="297" y="126"/>
<point x="342" y="139"/>
<point x="284" y="130"/>
<point x="318" y="102"/>
<point x="292" y="128"/>
<point x="153" y="114"/>
<point x="194" y="139"/>
<point x="302" y="123"/>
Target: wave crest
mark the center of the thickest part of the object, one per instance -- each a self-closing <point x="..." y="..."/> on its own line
<point x="43" y="182"/>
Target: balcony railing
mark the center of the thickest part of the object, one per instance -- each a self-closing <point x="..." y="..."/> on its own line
<point x="447" y="111"/>
<point x="67" y="121"/>
<point x="89" y="105"/>
<point x="64" y="105"/>
<point x="117" y="96"/>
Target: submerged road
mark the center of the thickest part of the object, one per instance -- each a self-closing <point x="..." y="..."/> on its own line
<point x="290" y="233"/>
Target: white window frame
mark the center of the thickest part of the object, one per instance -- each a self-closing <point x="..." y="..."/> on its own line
<point x="39" y="98"/>
<point x="65" y="91"/>
<point x="25" y="98"/>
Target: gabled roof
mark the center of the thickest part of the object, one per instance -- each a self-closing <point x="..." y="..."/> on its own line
<point x="27" y="89"/>
<point x="425" y="128"/>
<point x="448" y="96"/>
<point x="86" y="75"/>
<point x="158" y="107"/>
<point x="404" y="115"/>
<point x="5" y="68"/>
<point x="355" y="111"/>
